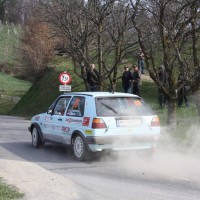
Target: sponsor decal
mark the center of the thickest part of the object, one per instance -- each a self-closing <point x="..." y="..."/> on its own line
<point x="88" y="132"/>
<point x="47" y="118"/>
<point x="86" y="121"/>
<point x="49" y="126"/>
<point x="57" y="128"/>
<point x="73" y="121"/>
<point x="65" y="129"/>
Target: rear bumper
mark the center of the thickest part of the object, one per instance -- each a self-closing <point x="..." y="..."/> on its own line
<point x="121" y="139"/>
<point x="122" y="143"/>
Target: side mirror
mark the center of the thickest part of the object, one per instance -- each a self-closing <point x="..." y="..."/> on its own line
<point x="50" y="112"/>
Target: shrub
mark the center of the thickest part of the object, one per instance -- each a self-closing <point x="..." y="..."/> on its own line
<point x="36" y="49"/>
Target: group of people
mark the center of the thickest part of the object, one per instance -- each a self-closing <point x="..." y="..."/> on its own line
<point x="131" y="81"/>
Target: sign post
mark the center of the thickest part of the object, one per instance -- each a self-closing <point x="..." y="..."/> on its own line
<point x="65" y="79"/>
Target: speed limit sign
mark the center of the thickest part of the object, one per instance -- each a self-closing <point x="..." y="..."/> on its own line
<point x="65" y="78"/>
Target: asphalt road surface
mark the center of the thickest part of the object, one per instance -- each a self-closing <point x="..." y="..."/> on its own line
<point x="51" y="172"/>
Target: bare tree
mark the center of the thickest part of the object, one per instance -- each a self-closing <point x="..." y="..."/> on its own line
<point x="169" y="35"/>
<point x="70" y="24"/>
<point x="93" y="31"/>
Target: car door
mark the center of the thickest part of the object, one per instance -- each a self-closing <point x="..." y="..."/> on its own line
<point x="75" y="115"/>
<point x="57" y="119"/>
<point x="47" y="124"/>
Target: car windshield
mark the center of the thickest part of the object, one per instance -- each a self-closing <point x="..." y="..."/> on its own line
<point x="122" y="106"/>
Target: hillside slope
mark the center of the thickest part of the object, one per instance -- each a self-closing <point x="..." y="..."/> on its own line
<point x="42" y="93"/>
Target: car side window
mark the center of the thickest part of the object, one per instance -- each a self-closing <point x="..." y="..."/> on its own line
<point x="61" y="105"/>
<point x="76" y="107"/>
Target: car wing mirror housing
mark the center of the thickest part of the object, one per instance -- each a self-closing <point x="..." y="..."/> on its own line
<point x="50" y="112"/>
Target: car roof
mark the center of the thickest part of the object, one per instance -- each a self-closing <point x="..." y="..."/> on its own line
<point x="102" y="94"/>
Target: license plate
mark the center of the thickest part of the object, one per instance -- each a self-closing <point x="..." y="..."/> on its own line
<point x="128" y="122"/>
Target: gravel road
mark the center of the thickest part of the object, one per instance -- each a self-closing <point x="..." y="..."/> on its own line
<point x="36" y="182"/>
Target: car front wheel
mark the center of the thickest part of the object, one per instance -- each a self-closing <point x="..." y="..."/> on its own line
<point x="36" y="140"/>
<point x="79" y="148"/>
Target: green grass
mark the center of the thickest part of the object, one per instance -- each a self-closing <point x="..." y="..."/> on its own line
<point x="13" y="86"/>
<point x="6" y="106"/>
<point x="8" y="192"/>
<point x="9" y="41"/>
<point x="9" y="87"/>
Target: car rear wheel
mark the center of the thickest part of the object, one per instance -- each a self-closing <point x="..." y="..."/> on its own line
<point x="79" y="148"/>
<point x="36" y="140"/>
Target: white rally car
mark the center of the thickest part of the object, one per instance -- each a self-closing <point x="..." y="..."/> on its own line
<point x="96" y="121"/>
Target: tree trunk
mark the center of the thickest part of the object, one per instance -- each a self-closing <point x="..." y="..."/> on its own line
<point x="100" y="56"/>
<point x="171" y="115"/>
<point x="196" y="98"/>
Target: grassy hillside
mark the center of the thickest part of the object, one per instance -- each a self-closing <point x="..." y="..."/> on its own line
<point x="11" y="89"/>
<point x="42" y="94"/>
<point x="12" y="86"/>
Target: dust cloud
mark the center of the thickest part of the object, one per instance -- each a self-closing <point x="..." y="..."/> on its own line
<point x="173" y="158"/>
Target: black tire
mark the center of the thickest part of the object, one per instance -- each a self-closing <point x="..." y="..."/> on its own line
<point x="36" y="139"/>
<point x="80" y="150"/>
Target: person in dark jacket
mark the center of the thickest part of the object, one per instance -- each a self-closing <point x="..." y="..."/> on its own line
<point x="126" y="80"/>
<point x="136" y="80"/>
<point x="93" y="78"/>
<point x="182" y="91"/>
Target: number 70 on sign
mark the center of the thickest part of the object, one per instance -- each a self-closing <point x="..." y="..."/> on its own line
<point x="65" y="78"/>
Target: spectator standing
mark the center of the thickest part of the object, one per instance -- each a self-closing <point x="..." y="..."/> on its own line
<point x="136" y="80"/>
<point x="162" y="79"/>
<point x="126" y="80"/>
<point x="182" y="91"/>
<point x="140" y="59"/>
<point x="93" y="78"/>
